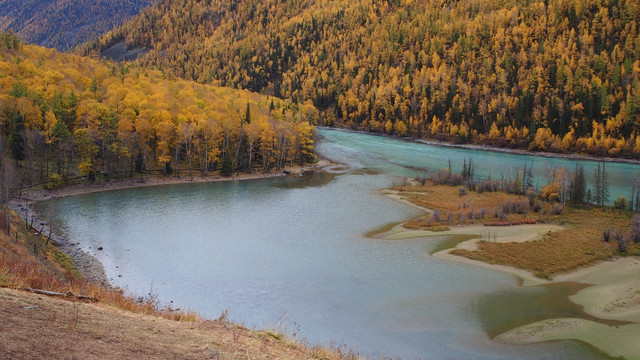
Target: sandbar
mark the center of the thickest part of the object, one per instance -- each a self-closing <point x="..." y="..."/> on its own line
<point x="613" y="292"/>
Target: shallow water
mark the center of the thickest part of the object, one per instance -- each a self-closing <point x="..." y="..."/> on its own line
<point x="291" y="254"/>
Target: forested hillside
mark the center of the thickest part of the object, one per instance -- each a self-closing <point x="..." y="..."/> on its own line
<point x="63" y="116"/>
<point x="63" y="24"/>
<point x="556" y="75"/>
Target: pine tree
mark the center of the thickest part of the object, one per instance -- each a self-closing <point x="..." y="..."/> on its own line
<point x="524" y="180"/>
<point x="227" y="166"/>
<point x="527" y="178"/>
<point x="597" y="192"/>
<point x="604" y="186"/>
<point x="16" y="135"/>
<point x="247" y="114"/>
<point x="578" y="186"/>
<point x="464" y="169"/>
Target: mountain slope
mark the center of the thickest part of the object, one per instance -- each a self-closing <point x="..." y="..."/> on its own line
<point x="64" y="24"/>
<point x="559" y="75"/>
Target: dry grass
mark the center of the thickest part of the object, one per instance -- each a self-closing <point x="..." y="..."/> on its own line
<point x="563" y="251"/>
<point x="71" y="330"/>
<point x="446" y="200"/>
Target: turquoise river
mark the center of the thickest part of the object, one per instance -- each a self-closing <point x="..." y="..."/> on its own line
<point x="291" y="254"/>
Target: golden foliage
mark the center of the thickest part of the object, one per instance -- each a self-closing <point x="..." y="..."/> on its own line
<point x="104" y="118"/>
<point x="496" y="67"/>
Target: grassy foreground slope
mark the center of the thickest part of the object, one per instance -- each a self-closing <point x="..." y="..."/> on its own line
<point x="557" y="75"/>
<point x="70" y="330"/>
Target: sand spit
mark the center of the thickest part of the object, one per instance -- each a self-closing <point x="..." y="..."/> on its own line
<point x="613" y="292"/>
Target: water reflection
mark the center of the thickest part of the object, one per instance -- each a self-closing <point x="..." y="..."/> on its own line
<point x="308" y="179"/>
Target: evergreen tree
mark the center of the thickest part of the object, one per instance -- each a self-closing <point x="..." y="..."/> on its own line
<point x="464" y="169"/>
<point x="604" y="185"/>
<point x="247" y="114"/>
<point x="16" y="135"/>
<point x="94" y="86"/>
<point x="527" y="178"/>
<point x="578" y="186"/>
<point x="227" y="166"/>
<point x="597" y="191"/>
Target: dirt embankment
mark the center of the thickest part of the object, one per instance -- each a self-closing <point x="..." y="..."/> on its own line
<point x="40" y="327"/>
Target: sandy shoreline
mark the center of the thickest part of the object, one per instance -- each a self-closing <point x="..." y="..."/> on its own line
<point x="613" y="292"/>
<point x="516" y="233"/>
<point x="88" y="265"/>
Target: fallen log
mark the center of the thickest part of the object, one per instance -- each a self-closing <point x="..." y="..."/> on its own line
<point x="55" y="293"/>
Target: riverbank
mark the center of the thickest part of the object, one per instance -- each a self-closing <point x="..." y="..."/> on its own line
<point x="477" y="233"/>
<point x="612" y="292"/>
<point x="88" y="265"/>
<point x="35" y="195"/>
<point x="40" y="327"/>
<point x="79" y="317"/>
<point x="514" y="151"/>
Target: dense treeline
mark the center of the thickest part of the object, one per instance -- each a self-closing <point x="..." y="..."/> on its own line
<point x="64" y="24"/>
<point x="555" y="75"/>
<point x="64" y="115"/>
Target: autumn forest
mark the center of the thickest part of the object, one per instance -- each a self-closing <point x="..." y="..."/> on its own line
<point x="238" y="86"/>
<point x="553" y="75"/>
<point x="66" y="116"/>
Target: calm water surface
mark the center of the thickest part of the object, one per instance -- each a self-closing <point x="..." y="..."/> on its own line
<point x="291" y="254"/>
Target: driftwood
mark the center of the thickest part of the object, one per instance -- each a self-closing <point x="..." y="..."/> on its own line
<point x="511" y="223"/>
<point x="67" y="294"/>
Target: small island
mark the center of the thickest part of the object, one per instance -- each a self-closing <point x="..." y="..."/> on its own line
<point x="549" y="235"/>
